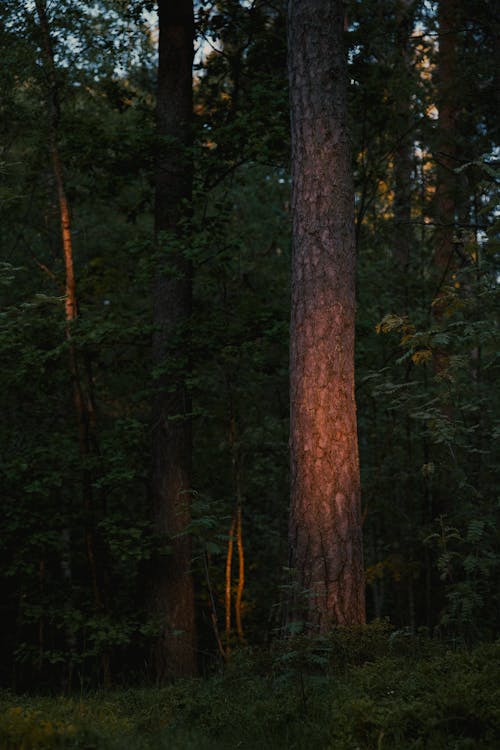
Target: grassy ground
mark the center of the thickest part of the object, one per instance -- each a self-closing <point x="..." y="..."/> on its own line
<point x="349" y="692"/>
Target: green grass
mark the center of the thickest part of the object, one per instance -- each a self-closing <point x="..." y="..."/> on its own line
<point x="365" y="691"/>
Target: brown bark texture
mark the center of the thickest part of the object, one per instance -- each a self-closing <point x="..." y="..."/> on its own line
<point x="325" y="523"/>
<point x="173" y="596"/>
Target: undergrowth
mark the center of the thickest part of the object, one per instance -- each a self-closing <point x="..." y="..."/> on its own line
<point x="359" y="690"/>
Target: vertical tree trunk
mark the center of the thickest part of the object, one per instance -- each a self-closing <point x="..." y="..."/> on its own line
<point x="81" y="401"/>
<point x="229" y="584"/>
<point x="238" y="605"/>
<point x="237" y="523"/>
<point x="403" y="154"/>
<point x="173" y="597"/>
<point x="325" y="523"/>
<point x="446" y="154"/>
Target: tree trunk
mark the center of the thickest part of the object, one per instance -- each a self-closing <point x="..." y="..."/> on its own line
<point x="403" y="154"/>
<point x="173" y="597"/>
<point x="446" y="157"/>
<point x="81" y="400"/>
<point x="325" y="518"/>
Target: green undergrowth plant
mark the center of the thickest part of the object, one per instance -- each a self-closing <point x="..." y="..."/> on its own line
<point x="371" y="689"/>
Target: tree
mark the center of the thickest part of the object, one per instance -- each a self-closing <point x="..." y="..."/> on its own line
<point x="83" y="400"/>
<point x="325" y="523"/>
<point x="173" y="597"/>
<point x="403" y="153"/>
<point x="425" y="442"/>
<point x="446" y="158"/>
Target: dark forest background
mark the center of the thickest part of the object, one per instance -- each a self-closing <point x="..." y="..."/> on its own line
<point x="427" y="354"/>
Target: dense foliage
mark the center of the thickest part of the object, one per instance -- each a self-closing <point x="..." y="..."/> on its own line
<point x="366" y="691"/>
<point x="426" y="433"/>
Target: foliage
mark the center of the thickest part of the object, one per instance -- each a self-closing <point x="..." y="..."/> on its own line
<point x="408" y="694"/>
<point x="426" y="432"/>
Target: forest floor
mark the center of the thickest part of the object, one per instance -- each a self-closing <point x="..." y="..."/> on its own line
<point x="312" y="694"/>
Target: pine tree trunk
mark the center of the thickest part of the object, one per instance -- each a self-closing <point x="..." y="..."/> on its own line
<point x="325" y="523"/>
<point x="173" y="597"/>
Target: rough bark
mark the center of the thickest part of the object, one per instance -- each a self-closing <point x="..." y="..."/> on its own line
<point x="325" y="519"/>
<point x="173" y="597"/>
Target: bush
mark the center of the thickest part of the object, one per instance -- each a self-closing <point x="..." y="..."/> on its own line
<point x="372" y="691"/>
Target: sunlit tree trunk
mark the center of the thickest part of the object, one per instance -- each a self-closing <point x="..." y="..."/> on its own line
<point x="325" y="524"/>
<point x="81" y="400"/>
<point x="235" y="533"/>
<point x="173" y="598"/>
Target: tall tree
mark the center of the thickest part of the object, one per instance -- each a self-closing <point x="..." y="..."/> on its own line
<point x="83" y="401"/>
<point x="403" y="153"/>
<point x="173" y="598"/>
<point x="325" y="523"/>
<point x="446" y="153"/>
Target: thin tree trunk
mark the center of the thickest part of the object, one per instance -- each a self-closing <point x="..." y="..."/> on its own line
<point x="403" y="155"/>
<point x="71" y="312"/>
<point x="213" y="610"/>
<point x="236" y="532"/>
<point x="229" y="581"/>
<point x="41" y="619"/>
<point x="446" y="158"/>
<point x="445" y="203"/>
<point x="67" y="576"/>
<point x="173" y="596"/>
<point x="325" y="517"/>
<point x="237" y="516"/>
<point x="241" y="572"/>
